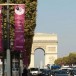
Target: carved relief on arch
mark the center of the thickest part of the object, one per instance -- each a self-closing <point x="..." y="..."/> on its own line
<point x="51" y="59"/>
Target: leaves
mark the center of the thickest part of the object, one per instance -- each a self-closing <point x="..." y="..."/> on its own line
<point x="30" y="21"/>
<point x="68" y="60"/>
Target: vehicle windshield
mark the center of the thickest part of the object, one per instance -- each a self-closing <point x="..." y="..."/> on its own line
<point x="61" y="72"/>
<point x="34" y="69"/>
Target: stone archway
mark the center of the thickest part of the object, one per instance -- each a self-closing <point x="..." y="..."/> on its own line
<point x="39" y="57"/>
<point x="48" y="42"/>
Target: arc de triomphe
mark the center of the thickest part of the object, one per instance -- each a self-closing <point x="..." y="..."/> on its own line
<point x="48" y="42"/>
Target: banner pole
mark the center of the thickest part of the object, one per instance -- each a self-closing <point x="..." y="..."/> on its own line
<point x="8" y="51"/>
<point x="9" y="72"/>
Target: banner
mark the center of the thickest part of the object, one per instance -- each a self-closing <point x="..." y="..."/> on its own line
<point x="19" y="17"/>
<point x="1" y="47"/>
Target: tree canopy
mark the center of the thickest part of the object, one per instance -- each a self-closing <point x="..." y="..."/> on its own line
<point x="68" y="60"/>
<point x="30" y="22"/>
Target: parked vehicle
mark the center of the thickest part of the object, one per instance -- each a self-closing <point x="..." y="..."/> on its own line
<point x="74" y="72"/>
<point x="34" y="71"/>
<point x="46" y="72"/>
<point x="61" y="73"/>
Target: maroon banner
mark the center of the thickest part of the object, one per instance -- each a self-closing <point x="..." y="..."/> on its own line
<point x="1" y="47"/>
<point x="19" y="17"/>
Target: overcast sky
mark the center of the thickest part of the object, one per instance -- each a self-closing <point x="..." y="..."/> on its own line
<point x="59" y="17"/>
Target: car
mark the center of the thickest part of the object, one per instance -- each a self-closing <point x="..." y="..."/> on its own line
<point x="34" y="71"/>
<point x="40" y="71"/>
<point x="46" y="72"/>
<point x="74" y="72"/>
<point x="61" y="73"/>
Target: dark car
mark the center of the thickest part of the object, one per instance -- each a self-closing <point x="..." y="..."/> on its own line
<point x="74" y="72"/>
<point x="46" y="72"/>
<point x="61" y="73"/>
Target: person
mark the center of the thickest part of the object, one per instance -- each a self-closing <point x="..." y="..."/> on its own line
<point x="25" y="72"/>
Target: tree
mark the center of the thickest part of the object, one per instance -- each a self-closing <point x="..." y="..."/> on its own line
<point x="68" y="60"/>
<point x="59" y="61"/>
<point x="65" y="60"/>
<point x="72" y="58"/>
<point x="30" y="22"/>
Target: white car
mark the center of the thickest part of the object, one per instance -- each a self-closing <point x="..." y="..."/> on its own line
<point x="34" y="71"/>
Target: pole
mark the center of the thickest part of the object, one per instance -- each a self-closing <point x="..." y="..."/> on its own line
<point x="8" y="51"/>
<point x="8" y="43"/>
<point x="3" y="60"/>
<point x="3" y="66"/>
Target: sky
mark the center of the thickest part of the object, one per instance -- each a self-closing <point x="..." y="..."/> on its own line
<point x="59" y="17"/>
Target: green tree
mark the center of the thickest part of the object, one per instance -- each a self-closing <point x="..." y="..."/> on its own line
<point x="30" y="22"/>
<point x="65" y="60"/>
<point x="72" y="58"/>
<point x="68" y="60"/>
<point x="59" y="61"/>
